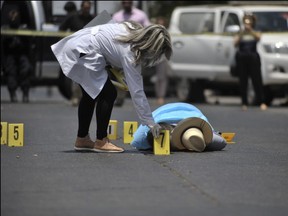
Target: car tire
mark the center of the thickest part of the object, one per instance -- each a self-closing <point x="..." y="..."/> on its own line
<point x="190" y="91"/>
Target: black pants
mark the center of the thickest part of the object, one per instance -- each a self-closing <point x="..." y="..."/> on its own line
<point x="249" y="66"/>
<point x="18" y="72"/>
<point x="105" y="101"/>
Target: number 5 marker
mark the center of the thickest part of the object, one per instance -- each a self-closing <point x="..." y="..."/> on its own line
<point x="16" y="135"/>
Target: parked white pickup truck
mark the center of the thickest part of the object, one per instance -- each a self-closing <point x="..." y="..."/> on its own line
<point x="202" y="38"/>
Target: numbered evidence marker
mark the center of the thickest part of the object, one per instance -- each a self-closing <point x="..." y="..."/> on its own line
<point x="162" y="143"/>
<point x="112" y="129"/>
<point x="16" y="135"/>
<point x="228" y="137"/>
<point x="4" y="135"/>
<point x="129" y="129"/>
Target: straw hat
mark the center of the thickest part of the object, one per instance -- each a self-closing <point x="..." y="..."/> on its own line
<point x="192" y="133"/>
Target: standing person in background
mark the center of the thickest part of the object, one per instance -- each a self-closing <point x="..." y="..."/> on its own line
<point x="129" y="13"/>
<point x="248" y="62"/>
<point x="74" y="22"/>
<point x="162" y="71"/>
<point x="17" y="65"/>
<point x="70" y="8"/>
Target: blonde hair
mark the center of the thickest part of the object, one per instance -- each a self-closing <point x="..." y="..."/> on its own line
<point x="148" y="43"/>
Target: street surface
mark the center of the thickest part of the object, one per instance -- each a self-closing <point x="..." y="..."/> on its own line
<point x="46" y="177"/>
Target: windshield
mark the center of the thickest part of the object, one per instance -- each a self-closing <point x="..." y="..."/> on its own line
<point x="276" y="21"/>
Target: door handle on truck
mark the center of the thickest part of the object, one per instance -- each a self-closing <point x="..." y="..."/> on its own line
<point x="219" y="46"/>
<point x="178" y="44"/>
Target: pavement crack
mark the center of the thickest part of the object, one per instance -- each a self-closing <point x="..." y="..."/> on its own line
<point x="187" y="182"/>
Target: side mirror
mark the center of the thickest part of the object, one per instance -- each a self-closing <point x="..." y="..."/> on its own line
<point x="232" y="29"/>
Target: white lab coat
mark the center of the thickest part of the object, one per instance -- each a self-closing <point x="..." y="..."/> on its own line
<point x="84" y="55"/>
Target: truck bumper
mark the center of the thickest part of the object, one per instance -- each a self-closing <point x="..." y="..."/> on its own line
<point x="274" y="69"/>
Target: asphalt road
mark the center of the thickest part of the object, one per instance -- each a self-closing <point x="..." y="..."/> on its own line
<point x="46" y="177"/>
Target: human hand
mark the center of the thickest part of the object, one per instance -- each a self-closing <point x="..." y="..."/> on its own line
<point x="155" y="130"/>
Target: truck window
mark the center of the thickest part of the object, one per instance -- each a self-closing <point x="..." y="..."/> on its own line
<point x="275" y="21"/>
<point x="196" y="22"/>
<point x="232" y="19"/>
<point x="50" y="7"/>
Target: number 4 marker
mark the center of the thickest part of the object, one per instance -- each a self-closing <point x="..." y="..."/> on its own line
<point x="129" y="129"/>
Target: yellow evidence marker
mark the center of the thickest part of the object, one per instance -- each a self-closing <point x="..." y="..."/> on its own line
<point x="162" y="143"/>
<point x="228" y="137"/>
<point x="112" y="129"/>
<point x="129" y="129"/>
<point x="4" y="134"/>
<point x="16" y="135"/>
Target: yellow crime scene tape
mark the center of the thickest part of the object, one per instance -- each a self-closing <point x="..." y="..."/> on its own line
<point x="65" y="33"/>
<point x="220" y="34"/>
<point x="35" y="33"/>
